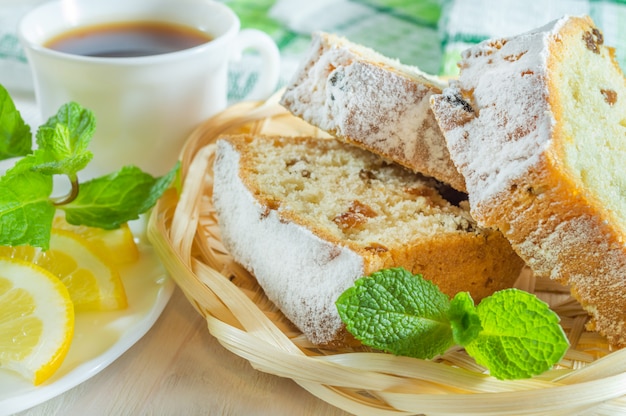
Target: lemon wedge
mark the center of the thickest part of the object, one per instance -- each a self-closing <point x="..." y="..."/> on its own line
<point x="36" y="320"/>
<point x="93" y="284"/>
<point x="117" y="245"/>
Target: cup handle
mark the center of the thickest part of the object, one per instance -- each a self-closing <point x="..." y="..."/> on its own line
<point x="270" y="57"/>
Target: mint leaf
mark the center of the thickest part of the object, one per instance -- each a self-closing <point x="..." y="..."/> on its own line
<point x="109" y="201"/>
<point x="80" y="123"/>
<point x="395" y="311"/>
<point x="63" y="141"/>
<point x="26" y="212"/>
<point x="464" y="319"/>
<point x="15" y="135"/>
<point x="521" y="335"/>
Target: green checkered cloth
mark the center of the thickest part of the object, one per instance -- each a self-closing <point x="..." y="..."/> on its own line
<point x="464" y="23"/>
<point x="429" y="34"/>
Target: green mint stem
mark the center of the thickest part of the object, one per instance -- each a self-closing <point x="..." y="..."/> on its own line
<point x="71" y="196"/>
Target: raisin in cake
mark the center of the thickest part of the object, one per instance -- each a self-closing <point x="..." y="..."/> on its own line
<point x="309" y="216"/>
<point x="374" y="102"/>
<point x="536" y="124"/>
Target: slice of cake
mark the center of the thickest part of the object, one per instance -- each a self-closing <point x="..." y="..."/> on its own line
<point x="309" y="216"/>
<point x="373" y="102"/>
<point x="536" y="124"/>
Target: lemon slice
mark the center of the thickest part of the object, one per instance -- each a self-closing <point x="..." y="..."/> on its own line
<point x="118" y="245"/>
<point x="36" y="320"/>
<point x="93" y="284"/>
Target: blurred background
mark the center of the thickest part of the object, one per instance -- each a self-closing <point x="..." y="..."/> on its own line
<point x="426" y="33"/>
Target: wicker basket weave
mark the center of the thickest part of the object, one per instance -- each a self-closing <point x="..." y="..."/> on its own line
<point x="590" y="380"/>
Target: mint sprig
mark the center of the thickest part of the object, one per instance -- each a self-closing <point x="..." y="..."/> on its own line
<point x="27" y="207"/>
<point x="512" y="333"/>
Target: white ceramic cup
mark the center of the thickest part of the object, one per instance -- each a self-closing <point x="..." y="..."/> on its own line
<point x="145" y="107"/>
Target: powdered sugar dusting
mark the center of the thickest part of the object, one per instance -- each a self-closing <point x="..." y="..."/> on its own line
<point x="504" y="83"/>
<point x="355" y="91"/>
<point x="594" y="270"/>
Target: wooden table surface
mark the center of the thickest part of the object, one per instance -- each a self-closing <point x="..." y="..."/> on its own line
<point x="188" y="373"/>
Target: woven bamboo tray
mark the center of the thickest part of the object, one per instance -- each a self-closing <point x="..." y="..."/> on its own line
<point x="590" y="380"/>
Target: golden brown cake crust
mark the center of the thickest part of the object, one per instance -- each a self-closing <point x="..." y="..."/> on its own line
<point x="564" y="237"/>
<point x="480" y="263"/>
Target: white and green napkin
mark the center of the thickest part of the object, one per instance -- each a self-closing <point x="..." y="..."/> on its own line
<point x="429" y="34"/>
